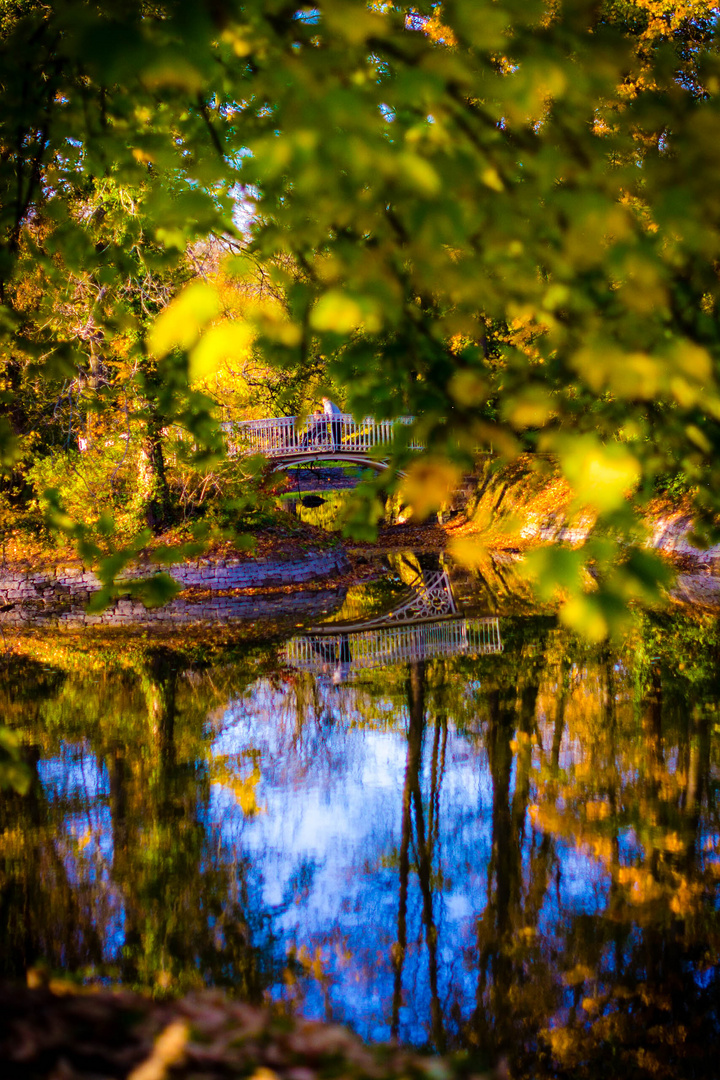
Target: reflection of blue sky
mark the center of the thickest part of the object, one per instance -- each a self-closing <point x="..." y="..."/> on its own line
<point x="322" y="852"/>
<point x="326" y="844"/>
<point x="85" y="844"/>
<point x="73" y="774"/>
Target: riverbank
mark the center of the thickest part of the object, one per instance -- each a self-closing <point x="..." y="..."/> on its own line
<point x="221" y="579"/>
<point x="50" y="1032"/>
<point x="518" y="507"/>
<point x="292" y="568"/>
<point x="212" y="589"/>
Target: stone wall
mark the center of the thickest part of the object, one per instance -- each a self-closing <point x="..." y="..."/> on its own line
<point x="57" y="597"/>
<point x="668" y="534"/>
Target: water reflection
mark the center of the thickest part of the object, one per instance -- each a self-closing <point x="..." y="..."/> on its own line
<point x="423" y="623"/>
<point x="515" y="853"/>
<point x="342" y="654"/>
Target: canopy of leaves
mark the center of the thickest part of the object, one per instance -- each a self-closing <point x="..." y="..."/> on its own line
<point x="501" y="217"/>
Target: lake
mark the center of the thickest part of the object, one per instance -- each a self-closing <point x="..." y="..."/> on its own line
<point x="438" y="817"/>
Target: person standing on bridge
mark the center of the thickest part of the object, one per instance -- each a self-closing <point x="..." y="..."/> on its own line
<point x="314" y="431"/>
<point x="334" y="416"/>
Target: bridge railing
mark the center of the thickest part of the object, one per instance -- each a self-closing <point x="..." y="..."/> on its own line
<point x="282" y="436"/>
<point x="345" y="654"/>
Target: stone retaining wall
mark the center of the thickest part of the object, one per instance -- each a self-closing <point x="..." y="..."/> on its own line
<point x="188" y="613"/>
<point x="668" y="535"/>
<point x="57" y="597"/>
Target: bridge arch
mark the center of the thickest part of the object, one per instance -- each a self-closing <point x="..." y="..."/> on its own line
<point x="282" y="464"/>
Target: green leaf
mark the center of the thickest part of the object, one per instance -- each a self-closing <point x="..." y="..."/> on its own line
<point x="14" y="772"/>
<point x="156" y="590"/>
<point x="556" y="568"/>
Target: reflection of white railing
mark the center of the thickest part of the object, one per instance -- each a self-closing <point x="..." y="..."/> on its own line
<point x="281" y="437"/>
<point x="341" y="655"/>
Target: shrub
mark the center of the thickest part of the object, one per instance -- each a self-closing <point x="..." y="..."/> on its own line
<point x="101" y="481"/>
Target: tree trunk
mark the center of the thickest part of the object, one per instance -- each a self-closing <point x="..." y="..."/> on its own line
<point x="153" y="478"/>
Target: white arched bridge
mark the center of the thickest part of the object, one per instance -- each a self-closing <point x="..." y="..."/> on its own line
<point x="424" y="625"/>
<point x="285" y="440"/>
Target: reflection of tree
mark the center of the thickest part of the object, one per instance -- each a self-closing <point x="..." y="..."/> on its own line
<point x="159" y="875"/>
<point x="412" y="799"/>
<point x="494" y="930"/>
<point x="188" y="911"/>
<point x="505" y="930"/>
<point x="595" y="951"/>
<point x="43" y="913"/>
<point x="641" y="984"/>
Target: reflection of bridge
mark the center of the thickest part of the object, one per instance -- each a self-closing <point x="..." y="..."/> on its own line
<point x="424" y="625"/>
<point x="342" y="654"/>
<point x="429" y="596"/>
<point x="338" y="438"/>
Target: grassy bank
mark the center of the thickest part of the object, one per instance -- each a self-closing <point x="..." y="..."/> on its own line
<point x="525" y="503"/>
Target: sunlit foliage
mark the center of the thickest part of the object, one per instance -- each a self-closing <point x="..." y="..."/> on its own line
<point x="500" y="217"/>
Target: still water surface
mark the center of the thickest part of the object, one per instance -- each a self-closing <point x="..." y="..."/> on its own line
<point x="515" y="852"/>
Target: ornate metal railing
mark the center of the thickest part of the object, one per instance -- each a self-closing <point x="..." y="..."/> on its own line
<point x="429" y="597"/>
<point x="284" y="437"/>
<point x="341" y="655"/>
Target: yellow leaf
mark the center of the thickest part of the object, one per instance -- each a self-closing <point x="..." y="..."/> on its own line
<point x="693" y="361"/>
<point x="240" y="45"/>
<point x="601" y="475"/>
<point x="628" y="375"/>
<point x="336" y="311"/>
<point x="684" y="393"/>
<point x="699" y="438"/>
<point x="271" y="320"/>
<point x="227" y="341"/>
<point x="428" y="485"/>
<point x="180" y="324"/>
<point x="491" y="178"/>
<point x="168" y="1050"/>
<point x="580" y="613"/>
<point x="419" y="174"/>
<point x="173" y="70"/>
<point x="556" y="296"/>
<point x="171" y="238"/>
<point x="468" y="551"/>
<point x="263" y="1073"/>
<point x="468" y="388"/>
<point x="529" y="408"/>
<point x="340" y="313"/>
